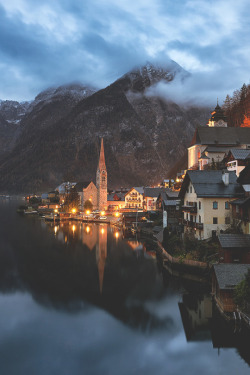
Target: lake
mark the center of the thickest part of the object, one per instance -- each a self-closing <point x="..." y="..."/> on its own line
<point x="79" y="298"/>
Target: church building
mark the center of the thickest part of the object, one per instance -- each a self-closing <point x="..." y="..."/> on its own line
<point x="96" y="194"/>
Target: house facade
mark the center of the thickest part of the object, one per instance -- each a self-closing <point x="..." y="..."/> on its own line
<point x="234" y="248"/>
<point x="206" y="199"/>
<point x="134" y="198"/>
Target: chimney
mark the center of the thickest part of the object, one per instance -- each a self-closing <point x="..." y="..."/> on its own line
<point x="225" y="177"/>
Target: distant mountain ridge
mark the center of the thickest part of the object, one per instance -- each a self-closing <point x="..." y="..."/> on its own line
<point x="59" y="135"/>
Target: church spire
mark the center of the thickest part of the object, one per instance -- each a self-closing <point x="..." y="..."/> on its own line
<point x="102" y="164"/>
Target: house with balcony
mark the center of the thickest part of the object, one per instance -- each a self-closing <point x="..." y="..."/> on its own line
<point x="241" y="206"/>
<point x="134" y="199"/>
<point x="206" y="197"/>
<point x="237" y="159"/>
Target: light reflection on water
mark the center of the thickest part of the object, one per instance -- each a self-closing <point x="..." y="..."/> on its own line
<point x="80" y="299"/>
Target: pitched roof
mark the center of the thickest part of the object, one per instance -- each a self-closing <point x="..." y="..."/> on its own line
<point x="152" y="192"/>
<point x="207" y="135"/>
<point x="139" y="189"/>
<point x="82" y="185"/>
<point x="229" y="275"/>
<point x="209" y="184"/>
<point x="240" y="154"/>
<point x="244" y="177"/>
<point x="235" y="240"/>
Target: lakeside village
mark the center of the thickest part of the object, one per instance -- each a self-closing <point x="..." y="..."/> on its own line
<point x="200" y="220"/>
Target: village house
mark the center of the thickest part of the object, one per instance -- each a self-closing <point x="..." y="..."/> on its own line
<point x="150" y="198"/>
<point x="237" y="159"/>
<point x="116" y="201"/>
<point x="225" y="277"/>
<point x="206" y="196"/>
<point x="241" y="206"/>
<point x="234" y="248"/>
<point x="211" y="143"/>
<point x="87" y="191"/>
<point x="169" y="204"/>
<point x="134" y="199"/>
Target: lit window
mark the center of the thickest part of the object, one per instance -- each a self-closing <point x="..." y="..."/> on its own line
<point x="215" y="206"/>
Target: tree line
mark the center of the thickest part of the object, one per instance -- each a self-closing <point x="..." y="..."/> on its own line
<point x="237" y="107"/>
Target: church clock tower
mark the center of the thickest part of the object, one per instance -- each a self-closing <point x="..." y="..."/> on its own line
<point x="101" y="181"/>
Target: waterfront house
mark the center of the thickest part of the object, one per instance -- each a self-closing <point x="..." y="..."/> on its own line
<point x="225" y="277"/>
<point x="169" y="203"/>
<point x="234" y="248"/>
<point x="134" y="199"/>
<point x="206" y="196"/>
<point x="116" y="201"/>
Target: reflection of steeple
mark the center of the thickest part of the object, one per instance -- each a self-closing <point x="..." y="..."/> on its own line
<point x="89" y="237"/>
<point x="101" y="253"/>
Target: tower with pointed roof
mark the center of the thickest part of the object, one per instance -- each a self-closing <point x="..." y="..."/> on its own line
<point x="101" y="181"/>
<point x="217" y="119"/>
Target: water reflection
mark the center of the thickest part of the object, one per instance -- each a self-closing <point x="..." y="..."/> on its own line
<point x="87" y="300"/>
<point x="202" y="322"/>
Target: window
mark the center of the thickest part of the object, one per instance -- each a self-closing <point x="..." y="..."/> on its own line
<point x="215" y="220"/>
<point x="227" y="206"/>
<point x="191" y="190"/>
<point x="199" y="218"/>
<point x="227" y="220"/>
<point x="187" y="216"/>
<point x="199" y="205"/>
<point x="215" y="205"/>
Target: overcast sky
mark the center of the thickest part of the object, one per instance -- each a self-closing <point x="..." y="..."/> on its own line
<point x="51" y="42"/>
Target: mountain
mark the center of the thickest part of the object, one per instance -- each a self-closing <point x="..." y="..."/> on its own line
<point x="143" y="135"/>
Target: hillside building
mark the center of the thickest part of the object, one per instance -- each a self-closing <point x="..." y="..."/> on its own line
<point x="206" y="196"/>
<point x="212" y="142"/>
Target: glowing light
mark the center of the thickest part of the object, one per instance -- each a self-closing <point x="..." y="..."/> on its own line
<point x="73" y="228"/>
<point x="55" y="229"/>
<point x="55" y="210"/>
<point x="102" y="231"/>
<point x="87" y="212"/>
<point x="56" y="206"/>
<point x="73" y="210"/>
<point x="117" y="214"/>
<point x="102" y="213"/>
<point x="116" y="234"/>
<point x="87" y="229"/>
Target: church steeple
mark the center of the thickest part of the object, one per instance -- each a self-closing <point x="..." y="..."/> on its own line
<point x="101" y="181"/>
<point x="102" y="164"/>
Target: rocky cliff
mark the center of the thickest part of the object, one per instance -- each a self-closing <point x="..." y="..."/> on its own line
<point x="59" y="134"/>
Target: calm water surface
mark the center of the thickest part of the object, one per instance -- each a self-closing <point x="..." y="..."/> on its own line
<point x="81" y="299"/>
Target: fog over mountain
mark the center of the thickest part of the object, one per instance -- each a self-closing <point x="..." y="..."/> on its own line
<point x="57" y="136"/>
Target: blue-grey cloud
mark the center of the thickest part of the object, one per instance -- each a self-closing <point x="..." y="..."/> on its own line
<point x="95" y="41"/>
